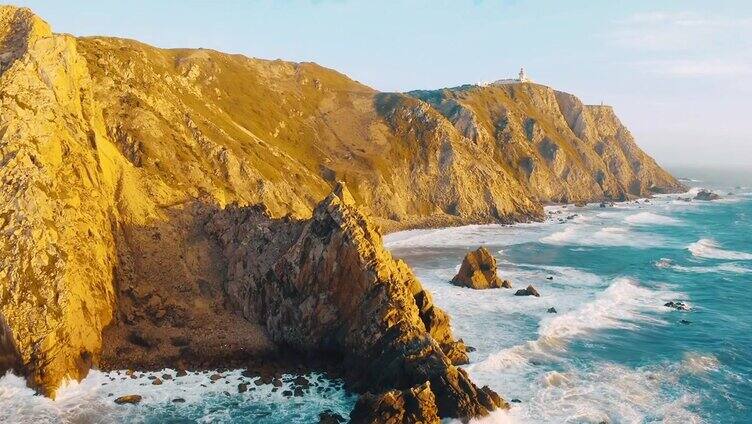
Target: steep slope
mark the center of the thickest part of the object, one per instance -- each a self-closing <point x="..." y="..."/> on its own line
<point x="56" y="248"/>
<point x="280" y="133"/>
<point x="560" y="149"/>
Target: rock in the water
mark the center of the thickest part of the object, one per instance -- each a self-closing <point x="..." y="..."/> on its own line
<point x="131" y="399"/>
<point x="178" y="400"/>
<point x="330" y="417"/>
<point x="478" y="271"/>
<point x="708" y="195"/>
<point x="215" y="377"/>
<point x="528" y="291"/>
<point x="685" y="322"/>
<point x="551" y="310"/>
<point x="157" y="382"/>
<point x="678" y="305"/>
<point x="415" y="405"/>
<point x="181" y="373"/>
<point x="242" y="388"/>
<point x="549" y="278"/>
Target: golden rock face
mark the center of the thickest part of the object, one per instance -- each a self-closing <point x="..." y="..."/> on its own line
<point x="113" y="155"/>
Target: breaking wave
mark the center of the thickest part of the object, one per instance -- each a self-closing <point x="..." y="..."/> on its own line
<point x="649" y="218"/>
<point x="709" y="249"/>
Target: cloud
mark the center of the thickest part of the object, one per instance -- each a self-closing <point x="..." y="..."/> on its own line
<point x="686" y="44"/>
<point x="696" y="68"/>
<point x="678" y="31"/>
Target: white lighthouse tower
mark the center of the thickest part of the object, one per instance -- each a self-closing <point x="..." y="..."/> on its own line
<point x="523" y="77"/>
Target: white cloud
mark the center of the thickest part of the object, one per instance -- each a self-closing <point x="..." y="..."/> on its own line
<point x="696" y="68"/>
<point x="686" y="44"/>
<point x="672" y="31"/>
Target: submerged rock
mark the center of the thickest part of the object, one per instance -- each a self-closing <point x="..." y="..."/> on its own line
<point x="478" y="271"/>
<point x="130" y="399"/>
<point x="528" y="291"/>
<point x="708" y="195"/>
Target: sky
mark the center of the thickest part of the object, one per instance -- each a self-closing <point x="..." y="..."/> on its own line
<point x="678" y="73"/>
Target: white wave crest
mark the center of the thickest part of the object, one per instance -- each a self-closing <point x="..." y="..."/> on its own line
<point x="624" y="304"/>
<point x="709" y="249"/>
<point x="649" y="218"/>
<point x="587" y="235"/>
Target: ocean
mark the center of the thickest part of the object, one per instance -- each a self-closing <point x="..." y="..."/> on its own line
<point x="612" y="352"/>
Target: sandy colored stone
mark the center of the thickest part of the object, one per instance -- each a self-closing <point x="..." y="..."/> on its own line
<point x="478" y="271"/>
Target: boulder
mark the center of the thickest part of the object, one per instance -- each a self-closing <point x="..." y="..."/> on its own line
<point x="551" y="310"/>
<point x="478" y="271"/>
<point x="708" y="195"/>
<point x="330" y="417"/>
<point x="528" y="291"/>
<point x="131" y="399"/>
<point x="415" y="405"/>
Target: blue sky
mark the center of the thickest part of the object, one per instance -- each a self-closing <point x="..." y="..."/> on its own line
<point x="679" y="73"/>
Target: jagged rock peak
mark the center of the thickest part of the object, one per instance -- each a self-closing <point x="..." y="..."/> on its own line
<point x="19" y="29"/>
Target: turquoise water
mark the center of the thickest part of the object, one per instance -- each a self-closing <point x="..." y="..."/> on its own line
<point x="612" y="353"/>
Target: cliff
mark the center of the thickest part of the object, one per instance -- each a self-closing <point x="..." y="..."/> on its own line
<point x="559" y="149"/>
<point x="128" y="231"/>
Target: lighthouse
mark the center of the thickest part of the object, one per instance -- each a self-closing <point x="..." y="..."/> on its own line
<point x="523" y="77"/>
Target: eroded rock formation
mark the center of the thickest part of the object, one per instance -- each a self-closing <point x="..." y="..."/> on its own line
<point x="478" y="271"/>
<point x="327" y="285"/>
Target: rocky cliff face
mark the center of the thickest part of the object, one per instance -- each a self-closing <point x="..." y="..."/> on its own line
<point x="118" y="162"/>
<point x="559" y="149"/>
<point x="327" y="285"/>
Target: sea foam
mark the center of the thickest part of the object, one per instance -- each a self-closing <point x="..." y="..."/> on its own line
<point x="649" y="218"/>
<point x="709" y="249"/>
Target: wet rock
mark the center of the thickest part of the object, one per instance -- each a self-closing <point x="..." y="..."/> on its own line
<point x="178" y="400"/>
<point x="549" y="278"/>
<point x="707" y="195"/>
<point x="415" y="405"/>
<point x="277" y="382"/>
<point x="287" y="393"/>
<point x="330" y="417"/>
<point x="685" y="322"/>
<point x="215" y="377"/>
<point x="242" y="388"/>
<point x="298" y="392"/>
<point x="679" y="306"/>
<point x="166" y="376"/>
<point x="551" y="310"/>
<point x="478" y="271"/>
<point x="301" y="381"/>
<point x="528" y="291"/>
<point x="157" y="382"/>
<point x="515" y="400"/>
<point x="470" y="349"/>
<point x="181" y="373"/>
<point x="130" y="399"/>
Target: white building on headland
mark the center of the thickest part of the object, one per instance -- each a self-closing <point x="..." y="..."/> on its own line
<point x="522" y="77"/>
